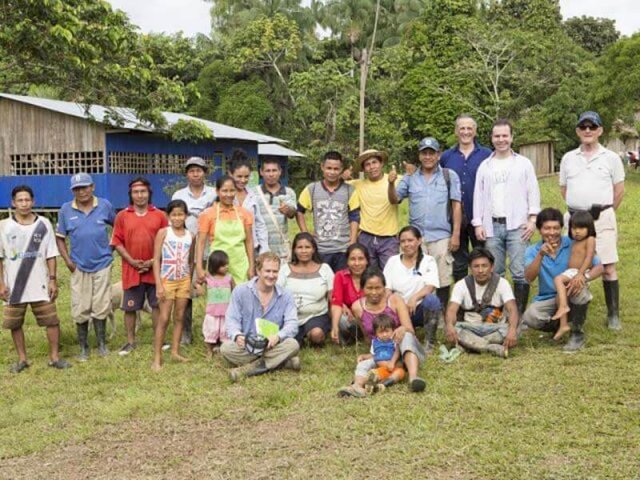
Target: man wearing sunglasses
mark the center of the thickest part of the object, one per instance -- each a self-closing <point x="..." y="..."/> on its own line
<point x="592" y="179"/>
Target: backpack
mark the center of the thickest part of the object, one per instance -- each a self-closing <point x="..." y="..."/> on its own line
<point x="486" y="296"/>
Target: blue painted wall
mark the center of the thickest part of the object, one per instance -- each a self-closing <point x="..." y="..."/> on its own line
<point x="51" y="191"/>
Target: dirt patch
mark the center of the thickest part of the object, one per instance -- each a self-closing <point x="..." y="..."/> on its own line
<point x="170" y="448"/>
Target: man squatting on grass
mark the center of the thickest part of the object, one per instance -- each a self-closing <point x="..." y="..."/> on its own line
<point x="545" y="260"/>
<point x="28" y="254"/>
<point x="479" y="301"/>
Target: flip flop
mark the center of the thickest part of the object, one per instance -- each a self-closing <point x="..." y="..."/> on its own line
<point x="449" y="356"/>
<point x="19" y="367"/>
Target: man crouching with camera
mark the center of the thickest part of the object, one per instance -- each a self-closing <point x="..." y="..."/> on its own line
<point x="261" y="299"/>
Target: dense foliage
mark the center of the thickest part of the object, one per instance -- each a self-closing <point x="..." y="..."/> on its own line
<point x="292" y="68"/>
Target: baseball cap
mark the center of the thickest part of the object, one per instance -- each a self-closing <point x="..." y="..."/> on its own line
<point x="429" y="142"/>
<point x="592" y="117"/>
<point x="197" y="161"/>
<point x="81" y="179"/>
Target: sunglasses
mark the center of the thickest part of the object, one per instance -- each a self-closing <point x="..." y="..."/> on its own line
<point x="591" y="128"/>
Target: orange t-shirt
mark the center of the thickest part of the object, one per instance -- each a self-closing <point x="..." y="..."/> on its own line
<point x="137" y="235"/>
<point x="207" y="219"/>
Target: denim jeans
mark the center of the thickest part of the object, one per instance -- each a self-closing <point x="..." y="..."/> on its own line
<point x="508" y="242"/>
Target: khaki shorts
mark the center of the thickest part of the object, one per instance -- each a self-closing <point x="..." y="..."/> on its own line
<point x="606" y="236"/>
<point x="439" y="250"/>
<point x="177" y="288"/>
<point x="90" y="295"/>
<point x="45" y="313"/>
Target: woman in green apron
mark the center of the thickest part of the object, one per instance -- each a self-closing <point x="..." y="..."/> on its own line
<point x="228" y="228"/>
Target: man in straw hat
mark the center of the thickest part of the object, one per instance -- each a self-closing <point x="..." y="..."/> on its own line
<point x="378" y="217"/>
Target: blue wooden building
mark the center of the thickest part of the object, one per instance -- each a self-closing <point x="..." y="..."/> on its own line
<point x="43" y="142"/>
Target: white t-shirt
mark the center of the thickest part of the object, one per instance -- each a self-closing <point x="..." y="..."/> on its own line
<point x="407" y="281"/>
<point x="462" y="297"/>
<point x="195" y="205"/>
<point x="24" y="250"/>
<point x="311" y="291"/>
<point x="499" y="174"/>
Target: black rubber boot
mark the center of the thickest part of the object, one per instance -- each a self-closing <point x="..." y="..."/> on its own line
<point x="83" y="334"/>
<point x="521" y="292"/>
<point x="187" y="335"/>
<point x="612" y="297"/>
<point x="577" y="317"/>
<point x="443" y="295"/>
<point x="100" y="326"/>
<point x="430" y="329"/>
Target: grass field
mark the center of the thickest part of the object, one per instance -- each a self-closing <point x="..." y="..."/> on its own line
<point x="539" y="414"/>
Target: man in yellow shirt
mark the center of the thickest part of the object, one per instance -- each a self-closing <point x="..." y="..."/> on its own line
<point x="378" y="217"/>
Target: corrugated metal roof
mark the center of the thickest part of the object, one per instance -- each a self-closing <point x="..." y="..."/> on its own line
<point x="100" y="114"/>
<point x="277" y="150"/>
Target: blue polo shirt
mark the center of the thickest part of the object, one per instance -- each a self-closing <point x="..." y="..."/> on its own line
<point x="550" y="267"/>
<point x="428" y="202"/>
<point x="466" y="170"/>
<point x="87" y="232"/>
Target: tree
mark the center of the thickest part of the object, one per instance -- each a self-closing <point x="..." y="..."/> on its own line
<point x="592" y="34"/>
<point x="246" y="105"/>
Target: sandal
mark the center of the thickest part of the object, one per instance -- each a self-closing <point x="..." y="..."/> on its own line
<point x="350" y="391"/>
<point x="60" y="364"/>
<point x="18" y="367"/>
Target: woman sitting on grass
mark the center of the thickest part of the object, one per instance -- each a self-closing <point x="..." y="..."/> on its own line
<point x="346" y="290"/>
<point x="377" y="300"/>
<point x="310" y="281"/>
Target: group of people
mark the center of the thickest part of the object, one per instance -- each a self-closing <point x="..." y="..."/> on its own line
<point x="358" y="274"/>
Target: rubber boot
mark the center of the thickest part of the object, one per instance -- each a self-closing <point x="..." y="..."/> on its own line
<point x="521" y="292"/>
<point x="443" y="296"/>
<point x="612" y="297"/>
<point x="187" y="323"/>
<point x="100" y="327"/>
<point x="83" y="334"/>
<point x="474" y="343"/>
<point x="577" y="317"/>
<point x="431" y="318"/>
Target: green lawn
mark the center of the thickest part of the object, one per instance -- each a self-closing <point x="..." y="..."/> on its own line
<point x="539" y="414"/>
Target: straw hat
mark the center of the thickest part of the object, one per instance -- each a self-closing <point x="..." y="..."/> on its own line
<point x="366" y="155"/>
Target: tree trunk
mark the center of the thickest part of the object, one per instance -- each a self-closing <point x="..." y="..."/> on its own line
<point x="364" y="71"/>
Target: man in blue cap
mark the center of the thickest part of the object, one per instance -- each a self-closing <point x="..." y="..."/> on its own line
<point x="592" y="179"/>
<point x="434" y="208"/>
<point x="84" y="222"/>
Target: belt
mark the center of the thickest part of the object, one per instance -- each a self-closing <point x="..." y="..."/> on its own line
<point x="502" y="220"/>
<point x="595" y="210"/>
<point x="378" y="236"/>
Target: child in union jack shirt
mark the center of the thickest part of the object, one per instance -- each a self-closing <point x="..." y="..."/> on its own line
<point x="172" y="268"/>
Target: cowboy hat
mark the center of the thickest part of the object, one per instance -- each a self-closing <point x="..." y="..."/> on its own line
<point x="366" y="155"/>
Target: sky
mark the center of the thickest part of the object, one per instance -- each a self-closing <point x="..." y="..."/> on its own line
<point x="192" y="16"/>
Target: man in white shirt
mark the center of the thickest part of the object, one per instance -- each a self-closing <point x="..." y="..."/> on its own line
<point x="479" y="324"/>
<point x="198" y="196"/>
<point x="592" y="179"/>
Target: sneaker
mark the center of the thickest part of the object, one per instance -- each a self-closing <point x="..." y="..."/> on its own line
<point x="59" y="364"/>
<point x="127" y="349"/>
<point x="293" y="364"/>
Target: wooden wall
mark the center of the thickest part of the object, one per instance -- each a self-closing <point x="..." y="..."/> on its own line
<point x="541" y="156"/>
<point x="28" y="129"/>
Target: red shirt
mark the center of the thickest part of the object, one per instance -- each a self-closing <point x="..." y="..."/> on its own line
<point x="137" y="234"/>
<point x="344" y="293"/>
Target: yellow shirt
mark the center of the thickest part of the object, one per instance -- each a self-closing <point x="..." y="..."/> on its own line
<point x="377" y="215"/>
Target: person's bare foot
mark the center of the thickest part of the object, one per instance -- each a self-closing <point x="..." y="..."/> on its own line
<point x="179" y="358"/>
<point x="561" y="311"/>
<point x="561" y="331"/>
<point x="156" y="366"/>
